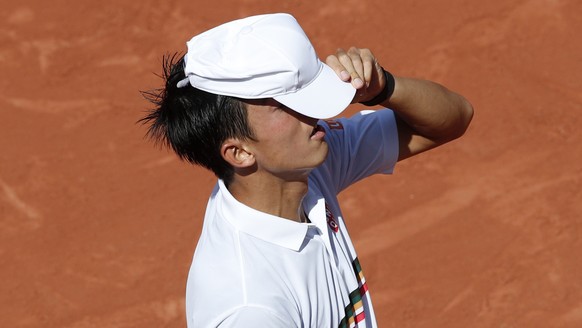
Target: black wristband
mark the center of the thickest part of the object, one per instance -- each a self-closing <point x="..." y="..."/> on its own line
<point x="385" y="93"/>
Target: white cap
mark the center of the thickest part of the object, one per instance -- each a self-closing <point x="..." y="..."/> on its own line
<point x="266" y="56"/>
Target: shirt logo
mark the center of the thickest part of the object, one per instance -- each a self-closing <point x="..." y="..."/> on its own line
<point x="334" y="125"/>
<point x="331" y="221"/>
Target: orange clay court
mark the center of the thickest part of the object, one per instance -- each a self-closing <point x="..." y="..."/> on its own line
<point x="98" y="226"/>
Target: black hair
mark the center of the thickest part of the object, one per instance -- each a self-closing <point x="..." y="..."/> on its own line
<point x="194" y="123"/>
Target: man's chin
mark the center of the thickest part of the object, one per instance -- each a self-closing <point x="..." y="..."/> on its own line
<point x="324" y="155"/>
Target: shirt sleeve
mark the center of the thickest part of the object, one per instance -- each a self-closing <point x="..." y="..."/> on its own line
<point x="360" y="146"/>
<point x="254" y="316"/>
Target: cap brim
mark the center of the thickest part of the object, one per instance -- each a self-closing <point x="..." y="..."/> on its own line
<point x="325" y="97"/>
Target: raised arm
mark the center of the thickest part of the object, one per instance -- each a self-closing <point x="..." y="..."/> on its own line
<point x="428" y="114"/>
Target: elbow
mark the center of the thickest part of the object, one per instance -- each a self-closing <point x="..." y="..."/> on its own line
<point x="457" y="125"/>
<point x="464" y="117"/>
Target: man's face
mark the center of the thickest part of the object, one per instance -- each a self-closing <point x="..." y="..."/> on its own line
<point x="288" y="145"/>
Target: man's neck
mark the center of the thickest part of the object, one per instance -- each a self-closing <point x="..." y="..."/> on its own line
<point x="271" y="195"/>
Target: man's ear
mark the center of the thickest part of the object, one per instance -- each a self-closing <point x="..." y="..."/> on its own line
<point x="237" y="153"/>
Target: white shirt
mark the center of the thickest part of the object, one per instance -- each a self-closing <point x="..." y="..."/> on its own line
<point x="253" y="269"/>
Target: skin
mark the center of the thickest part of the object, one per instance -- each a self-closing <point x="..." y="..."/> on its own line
<point x="271" y="172"/>
<point x="429" y="114"/>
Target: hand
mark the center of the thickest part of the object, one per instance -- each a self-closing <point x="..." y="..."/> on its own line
<point x="360" y="67"/>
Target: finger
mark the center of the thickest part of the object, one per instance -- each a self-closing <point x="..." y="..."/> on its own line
<point x="334" y="63"/>
<point x="369" y="66"/>
<point x="349" y="71"/>
<point x="357" y="61"/>
<point x="352" y="63"/>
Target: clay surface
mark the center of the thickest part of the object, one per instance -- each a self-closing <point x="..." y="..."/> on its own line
<point x="98" y="227"/>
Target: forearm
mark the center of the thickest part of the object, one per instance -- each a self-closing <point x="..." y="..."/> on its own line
<point x="429" y="109"/>
<point x="427" y="114"/>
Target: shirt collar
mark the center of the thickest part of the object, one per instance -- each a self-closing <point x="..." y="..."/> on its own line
<point x="267" y="227"/>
